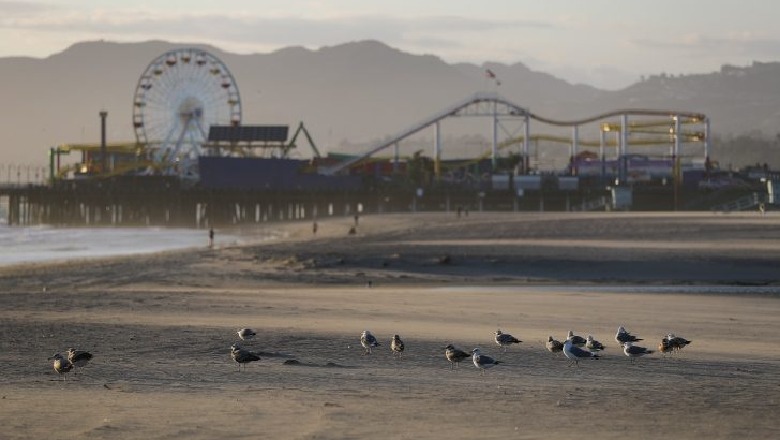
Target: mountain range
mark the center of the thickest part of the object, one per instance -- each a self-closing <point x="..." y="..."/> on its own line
<point x="348" y="96"/>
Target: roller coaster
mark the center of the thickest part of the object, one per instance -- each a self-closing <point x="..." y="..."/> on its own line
<point x="664" y="129"/>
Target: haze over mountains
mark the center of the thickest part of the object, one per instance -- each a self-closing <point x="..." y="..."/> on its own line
<point x="348" y="96"/>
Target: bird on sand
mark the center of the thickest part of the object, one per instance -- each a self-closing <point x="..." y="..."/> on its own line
<point x="483" y="362"/>
<point x="633" y="351"/>
<point x="397" y="345"/>
<point x="676" y="342"/>
<point x="592" y="344"/>
<point x="454" y="355"/>
<point x="368" y="341"/>
<point x="554" y="345"/>
<point x="78" y="358"/>
<point x="664" y="346"/>
<point x="242" y="356"/>
<point x="61" y="365"/>
<point x="622" y="336"/>
<point x="246" y="334"/>
<point x="575" y="353"/>
<point x="504" y="340"/>
<point x="577" y="341"/>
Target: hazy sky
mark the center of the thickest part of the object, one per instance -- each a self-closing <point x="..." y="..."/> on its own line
<point x="609" y="44"/>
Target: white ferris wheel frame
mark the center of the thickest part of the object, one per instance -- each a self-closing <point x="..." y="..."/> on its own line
<point x="180" y="94"/>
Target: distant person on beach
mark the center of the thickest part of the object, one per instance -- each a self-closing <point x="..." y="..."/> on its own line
<point x="211" y="237"/>
<point x="357" y="217"/>
<point x="314" y="228"/>
<point x="761" y="208"/>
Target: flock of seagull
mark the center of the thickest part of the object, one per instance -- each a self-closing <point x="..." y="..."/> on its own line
<point x="575" y="348"/>
<point x="572" y="347"/>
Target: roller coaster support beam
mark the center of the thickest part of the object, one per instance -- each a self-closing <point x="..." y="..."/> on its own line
<point x="526" y="142"/>
<point x="623" y="135"/>
<point x="436" y="150"/>
<point x="707" y="140"/>
<point x="623" y="145"/>
<point x="676" y="151"/>
<point x="494" y="150"/>
<point x="602" y="142"/>
<point x="575" y="141"/>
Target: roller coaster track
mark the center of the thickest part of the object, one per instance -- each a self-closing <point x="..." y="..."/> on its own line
<point x="693" y="117"/>
<point x="492" y="104"/>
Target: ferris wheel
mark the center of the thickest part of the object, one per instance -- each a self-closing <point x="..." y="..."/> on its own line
<point x="178" y="97"/>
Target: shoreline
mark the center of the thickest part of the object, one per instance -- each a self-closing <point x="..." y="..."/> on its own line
<point x="430" y="248"/>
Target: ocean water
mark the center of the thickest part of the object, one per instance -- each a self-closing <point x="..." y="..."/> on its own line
<point x="53" y="244"/>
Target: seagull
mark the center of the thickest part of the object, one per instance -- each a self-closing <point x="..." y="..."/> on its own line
<point x="454" y="355"/>
<point x="676" y="342"/>
<point x="246" y="334"/>
<point x="554" y="345"/>
<point x="664" y="346"/>
<point x="61" y="365"/>
<point x="397" y="345"/>
<point x="368" y="341"/>
<point x="79" y="358"/>
<point x="577" y="341"/>
<point x="592" y="344"/>
<point x="504" y="339"/>
<point x="622" y="336"/>
<point x="575" y="353"/>
<point x="633" y="352"/>
<point x="482" y="361"/>
<point x="242" y="356"/>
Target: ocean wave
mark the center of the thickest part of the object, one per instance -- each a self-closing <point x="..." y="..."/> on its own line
<point x="46" y="243"/>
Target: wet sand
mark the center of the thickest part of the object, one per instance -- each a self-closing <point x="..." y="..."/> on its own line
<point x="160" y="328"/>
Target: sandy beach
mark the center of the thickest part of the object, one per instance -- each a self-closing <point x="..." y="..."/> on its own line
<point x="160" y="328"/>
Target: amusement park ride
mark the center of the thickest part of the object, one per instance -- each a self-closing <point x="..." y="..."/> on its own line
<point x="179" y="96"/>
<point x="187" y="106"/>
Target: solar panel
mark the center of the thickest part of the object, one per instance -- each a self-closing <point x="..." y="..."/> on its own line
<point x="248" y="133"/>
